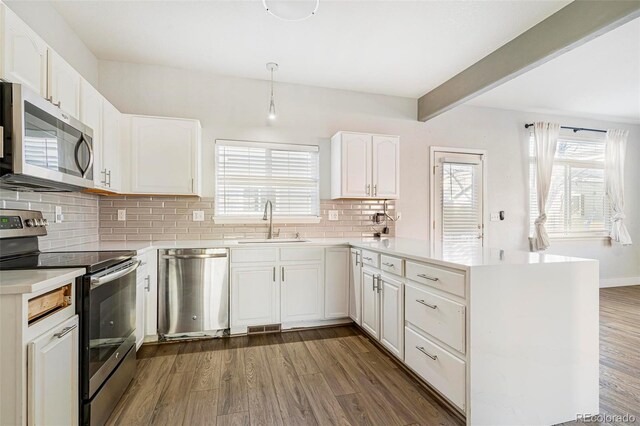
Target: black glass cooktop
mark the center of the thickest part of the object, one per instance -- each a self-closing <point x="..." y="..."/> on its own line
<point x="93" y="261"/>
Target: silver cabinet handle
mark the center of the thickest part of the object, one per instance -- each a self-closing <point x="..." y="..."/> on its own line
<point x="373" y="286"/>
<point x="427" y="277"/>
<point x="375" y="190"/>
<point x="367" y="258"/>
<point x="274" y="274"/>
<point x="148" y="286"/>
<point x="357" y="253"/>
<point x="56" y="104"/>
<point x="108" y="182"/>
<point x="421" y="349"/>
<point x="104" y="181"/>
<point x="391" y="265"/>
<point x="426" y="304"/>
<point x="379" y="281"/>
<point x="282" y="272"/>
<point x="65" y="331"/>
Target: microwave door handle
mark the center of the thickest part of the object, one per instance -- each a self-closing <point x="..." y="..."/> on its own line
<point x="97" y="282"/>
<point x="84" y="171"/>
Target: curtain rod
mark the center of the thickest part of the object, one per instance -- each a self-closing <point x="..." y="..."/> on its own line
<point x="575" y="129"/>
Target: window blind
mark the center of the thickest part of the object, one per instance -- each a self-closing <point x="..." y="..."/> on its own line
<point x="577" y="203"/>
<point x="250" y="173"/>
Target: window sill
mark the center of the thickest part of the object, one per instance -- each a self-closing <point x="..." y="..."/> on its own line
<point x="276" y="220"/>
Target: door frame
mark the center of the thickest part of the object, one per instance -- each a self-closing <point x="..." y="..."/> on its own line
<point x="433" y="150"/>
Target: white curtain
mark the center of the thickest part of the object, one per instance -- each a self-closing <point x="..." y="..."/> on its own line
<point x="546" y="139"/>
<point x="615" y="150"/>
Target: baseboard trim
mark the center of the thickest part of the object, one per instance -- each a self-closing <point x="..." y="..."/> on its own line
<point x="619" y="282"/>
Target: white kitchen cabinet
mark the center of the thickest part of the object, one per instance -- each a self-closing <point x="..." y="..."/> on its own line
<point x="336" y="284"/>
<point x="370" y="303"/>
<point x="391" y="314"/>
<point x="91" y="114"/>
<point x="151" y="293"/>
<point x="63" y="85"/>
<point x="141" y="311"/>
<point x="365" y="166"/>
<point x="110" y="171"/>
<point x="24" y="54"/>
<point x="53" y="376"/>
<point x="301" y="292"/>
<point x="165" y="156"/>
<point x="254" y="296"/>
<point x="355" y="286"/>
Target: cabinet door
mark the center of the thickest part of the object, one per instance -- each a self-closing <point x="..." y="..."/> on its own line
<point x="386" y="166"/>
<point x="356" y="165"/>
<point x="355" y="286"/>
<point x="53" y="376"/>
<point x="24" y="54"/>
<point x="164" y="155"/>
<point x="111" y="147"/>
<point x="253" y="296"/>
<point x="302" y="292"/>
<point x="151" y="293"/>
<point x="64" y="85"/>
<point x="370" y="304"/>
<point x="140" y="309"/>
<point x="391" y="315"/>
<point x="91" y="115"/>
<point x="336" y="283"/>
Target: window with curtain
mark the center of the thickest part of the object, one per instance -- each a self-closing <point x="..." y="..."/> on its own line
<point x="577" y="205"/>
<point x="250" y="173"/>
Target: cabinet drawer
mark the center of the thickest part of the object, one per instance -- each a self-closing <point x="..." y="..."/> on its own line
<point x="442" y="279"/>
<point x="301" y="253"/>
<point x="253" y="255"/>
<point x="370" y="258"/>
<point x="392" y="264"/>
<point x="440" y="317"/>
<point x="446" y="372"/>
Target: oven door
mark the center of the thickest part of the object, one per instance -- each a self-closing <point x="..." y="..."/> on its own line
<point x="108" y="323"/>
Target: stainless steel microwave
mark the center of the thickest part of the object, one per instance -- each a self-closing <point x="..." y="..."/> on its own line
<point x="43" y="149"/>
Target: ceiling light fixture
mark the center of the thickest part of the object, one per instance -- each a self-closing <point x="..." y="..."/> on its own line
<point x="291" y="10"/>
<point x="271" y="67"/>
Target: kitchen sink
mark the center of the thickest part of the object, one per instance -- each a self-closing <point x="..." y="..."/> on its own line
<point x="274" y="240"/>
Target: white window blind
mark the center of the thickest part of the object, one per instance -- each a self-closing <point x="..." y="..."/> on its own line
<point x="250" y="173"/>
<point x="577" y="204"/>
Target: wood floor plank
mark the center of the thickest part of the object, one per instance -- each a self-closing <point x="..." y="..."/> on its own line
<point x="202" y="408"/>
<point x="232" y="395"/>
<point x="294" y="405"/>
<point x="325" y="406"/>
<point x="355" y="409"/>
<point x="263" y="402"/>
<point x="209" y="368"/>
<point x="188" y="357"/>
<point x="299" y="354"/>
<point x="234" y="419"/>
<point x="171" y="407"/>
<point x="336" y="377"/>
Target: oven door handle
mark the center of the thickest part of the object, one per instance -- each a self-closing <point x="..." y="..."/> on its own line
<point x="96" y="282"/>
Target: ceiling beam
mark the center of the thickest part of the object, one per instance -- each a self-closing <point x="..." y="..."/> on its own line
<point x="570" y="27"/>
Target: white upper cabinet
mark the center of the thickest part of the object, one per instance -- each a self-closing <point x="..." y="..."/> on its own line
<point x="91" y="115"/>
<point x="63" y="85"/>
<point x="110" y="172"/>
<point x="365" y="166"/>
<point x="24" y="54"/>
<point x="165" y="156"/>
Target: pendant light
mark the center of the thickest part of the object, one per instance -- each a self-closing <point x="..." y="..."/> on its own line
<point x="271" y="67"/>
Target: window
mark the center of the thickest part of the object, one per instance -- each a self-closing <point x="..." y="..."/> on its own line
<point x="577" y="205"/>
<point x="250" y="173"/>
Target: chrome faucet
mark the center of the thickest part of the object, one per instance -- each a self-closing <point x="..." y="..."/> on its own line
<point x="264" y="217"/>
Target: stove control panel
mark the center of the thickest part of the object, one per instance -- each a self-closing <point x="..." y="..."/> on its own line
<point x="10" y="222"/>
<point x="22" y="223"/>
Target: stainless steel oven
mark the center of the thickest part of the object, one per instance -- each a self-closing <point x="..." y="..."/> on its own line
<point x="107" y="357"/>
<point x="43" y="148"/>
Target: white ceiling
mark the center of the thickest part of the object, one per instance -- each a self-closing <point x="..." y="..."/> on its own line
<point x="393" y="47"/>
<point x="600" y="79"/>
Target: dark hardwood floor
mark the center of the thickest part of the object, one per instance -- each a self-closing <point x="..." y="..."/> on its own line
<point x="334" y="376"/>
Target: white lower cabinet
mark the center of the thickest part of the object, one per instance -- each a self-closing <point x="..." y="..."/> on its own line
<point x="302" y="292"/>
<point x="254" y="296"/>
<point x="141" y="311"/>
<point x="370" y="303"/>
<point x="391" y="314"/>
<point x="336" y="283"/>
<point x="53" y="376"/>
<point x="355" y="286"/>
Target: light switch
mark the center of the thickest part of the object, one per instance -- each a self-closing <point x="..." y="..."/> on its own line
<point x="198" y="215"/>
<point x="122" y="215"/>
<point x="333" y="214"/>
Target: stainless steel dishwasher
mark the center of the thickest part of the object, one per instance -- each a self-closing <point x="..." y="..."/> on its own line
<point x="193" y="293"/>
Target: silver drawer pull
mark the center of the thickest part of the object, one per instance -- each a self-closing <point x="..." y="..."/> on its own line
<point x="426" y="304"/>
<point x="391" y="265"/>
<point x="421" y="349"/>
<point x="427" y="277"/>
<point x="367" y="258"/>
<point x="65" y="331"/>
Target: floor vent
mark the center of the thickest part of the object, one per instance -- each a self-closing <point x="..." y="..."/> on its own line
<point x="262" y="329"/>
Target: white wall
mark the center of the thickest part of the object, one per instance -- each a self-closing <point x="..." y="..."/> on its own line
<point x="45" y="20"/>
<point x="237" y="108"/>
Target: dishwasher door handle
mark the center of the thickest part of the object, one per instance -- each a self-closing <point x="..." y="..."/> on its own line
<point x="193" y="256"/>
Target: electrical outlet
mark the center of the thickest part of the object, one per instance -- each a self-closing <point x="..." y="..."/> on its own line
<point x="59" y="217"/>
<point x="198" y="216"/>
<point x="495" y="217"/>
<point x="122" y="215"/>
<point x="333" y="214"/>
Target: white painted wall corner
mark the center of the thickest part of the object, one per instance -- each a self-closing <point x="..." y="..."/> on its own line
<point x="619" y="282"/>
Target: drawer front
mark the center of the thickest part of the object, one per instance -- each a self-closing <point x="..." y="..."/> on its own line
<point x="395" y="265"/>
<point x="438" y="316"/>
<point x="452" y="282"/>
<point x="253" y="255"/>
<point x="446" y="372"/>
<point x="370" y="258"/>
<point x="301" y="253"/>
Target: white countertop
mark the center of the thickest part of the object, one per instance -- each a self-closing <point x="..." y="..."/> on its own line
<point x="33" y="281"/>
<point x="408" y="248"/>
